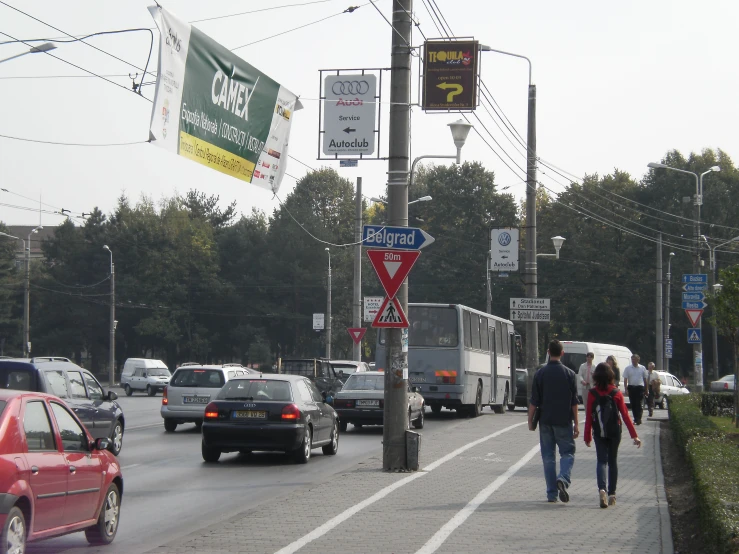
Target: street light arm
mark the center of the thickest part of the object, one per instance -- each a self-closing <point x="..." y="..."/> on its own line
<point x="485" y="48"/>
<point x="419" y="158"/>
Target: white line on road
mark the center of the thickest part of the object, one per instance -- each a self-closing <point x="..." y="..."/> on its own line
<point x="130" y="466"/>
<point x="148" y="426"/>
<point x="349" y="512"/>
<point x="461" y="516"/>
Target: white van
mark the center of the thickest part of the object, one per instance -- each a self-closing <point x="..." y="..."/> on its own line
<point x="143" y="374"/>
<point x="576" y="352"/>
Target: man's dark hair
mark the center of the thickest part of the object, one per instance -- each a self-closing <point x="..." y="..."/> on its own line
<point x="555" y="348"/>
<point x="603" y="376"/>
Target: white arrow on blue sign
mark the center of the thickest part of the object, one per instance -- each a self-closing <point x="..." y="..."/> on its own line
<point x="399" y="238"/>
<point x="694" y="305"/>
<point x="694" y="336"/>
<point x="693" y="297"/>
<point x="695" y="287"/>
<point x="695" y="278"/>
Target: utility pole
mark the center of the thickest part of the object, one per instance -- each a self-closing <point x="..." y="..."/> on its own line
<point x="531" y="277"/>
<point x="667" y="309"/>
<point x="489" y="292"/>
<point x="658" y="335"/>
<point x="111" y="347"/>
<point x="396" y="374"/>
<point x="357" y="299"/>
<point x="698" y="348"/>
<point x="328" y="308"/>
<point x="27" y="299"/>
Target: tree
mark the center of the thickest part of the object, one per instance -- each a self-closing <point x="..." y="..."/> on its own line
<point x="725" y="306"/>
<point x="11" y="295"/>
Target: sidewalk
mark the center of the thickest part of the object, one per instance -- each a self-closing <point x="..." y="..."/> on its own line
<point x="481" y="490"/>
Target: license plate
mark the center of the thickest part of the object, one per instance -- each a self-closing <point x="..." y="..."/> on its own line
<point x="195" y="399"/>
<point x="371" y="403"/>
<point x="417" y="378"/>
<point x="254" y="414"/>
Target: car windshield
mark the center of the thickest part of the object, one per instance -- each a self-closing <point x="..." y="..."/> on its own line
<point x="365" y="382"/>
<point x="306" y="368"/>
<point x="256" y="389"/>
<point x="207" y="378"/>
<point x="346" y="369"/>
<point x="727" y="378"/>
<point x="158" y="372"/>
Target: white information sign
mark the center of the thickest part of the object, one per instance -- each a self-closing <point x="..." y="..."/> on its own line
<point x="530" y="315"/>
<point x="371" y="306"/>
<point x="318" y="322"/>
<point x="504" y="249"/>
<point x="349" y="109"/>
<point x="530" y="304"/>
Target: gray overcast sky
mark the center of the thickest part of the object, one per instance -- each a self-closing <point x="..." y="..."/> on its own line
<point x="618" y="83"/>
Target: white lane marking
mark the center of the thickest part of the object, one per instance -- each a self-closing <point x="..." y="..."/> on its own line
<point x="349" y="512"/>
<point x="148" y="426"/>
<point x="435" y="542"/>
<point x="130" y="466"/>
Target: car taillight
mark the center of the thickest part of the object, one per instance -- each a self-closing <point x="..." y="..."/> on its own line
<point x="165" y="401"/>
<point x="211" y="411"/>
<point x="726" y="385"/>
<point x="291" y="412"/>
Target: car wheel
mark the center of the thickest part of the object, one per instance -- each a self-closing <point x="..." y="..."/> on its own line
<point x="14" y="531"/>
<point x="210" y="455"/>
<point x="436" y="409"/>
<point x="198" y="425"/>
<point x="333" y="447"/>
<point x="511" y="407"/>
<point x="302" y="454"/>
<point x="103" y="532"/>
<point x="170" y="425"/>
<point x="116" y="438"/>
<point x="418" y="424"/>
<point x="357" y="425"/>
<point x="342" y="426"/>
<point x="150" y="391"/>
<point x="127" y="389"/>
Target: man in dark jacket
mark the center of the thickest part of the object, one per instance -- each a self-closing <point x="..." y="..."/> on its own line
<point x="554" y="393"/>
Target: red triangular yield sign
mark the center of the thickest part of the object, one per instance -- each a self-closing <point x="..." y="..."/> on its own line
<point x="356" y="333"/>
<point x="390" y="314"/>
<point x="694" y="316"/>
<point x="392" y="267"/>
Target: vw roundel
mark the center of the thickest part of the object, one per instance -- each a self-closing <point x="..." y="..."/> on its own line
<point x="504" y="239"/>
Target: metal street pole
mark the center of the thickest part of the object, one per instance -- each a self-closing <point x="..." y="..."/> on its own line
<point x="394" y="455"/>
<point x="27" y="296"/>
<point x="111" y="330"/>
<point x="714" y="328"/>
<point x="659" y="332"/>
<point x="667" y="310"/>
<point x="328" y="308"/>
<point x="357" y="297"/>
<point x="489" y="292"/>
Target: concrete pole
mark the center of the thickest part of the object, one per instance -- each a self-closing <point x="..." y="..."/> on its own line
<point x="531" y="277"/>
<point x="489" y="292"/>
<point x="667" y="309"/>
<point x="396" y="374"/>
<point x="659" y="333"/>
<point x="698" y="348"/>
<point x="357" y="298"/>
<point x="714" y="329"/>
<point x="26" y="297"/>
<point x="111" y="349"/>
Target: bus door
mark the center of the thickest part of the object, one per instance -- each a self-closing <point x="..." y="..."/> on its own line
<point x="493" y="363"/>
<point x="515" y="342"/>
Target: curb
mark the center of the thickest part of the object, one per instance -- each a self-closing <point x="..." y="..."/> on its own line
<point x="662" y="506"/>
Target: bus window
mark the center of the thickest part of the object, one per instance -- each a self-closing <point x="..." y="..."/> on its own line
<point x="475" y="325"/>
<point x="467" y="333"/>
<point x="499" y="338"/>
<point x="506" y="340"/>
<point x="484" y="334"/>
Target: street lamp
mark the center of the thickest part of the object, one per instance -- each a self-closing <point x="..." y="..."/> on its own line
<point x="45" y="47"/>
<point x="422" y="199"/>
<point x="27" y="295"/>
<point x="328" y="308"/>
<point x="558" y="242"/>
<point x="697" y="348"/>
<point x="666" y="331"/>
<point x="113" y="322"/>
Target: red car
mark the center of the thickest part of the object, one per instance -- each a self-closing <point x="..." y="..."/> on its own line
<point x="54" y="477"/>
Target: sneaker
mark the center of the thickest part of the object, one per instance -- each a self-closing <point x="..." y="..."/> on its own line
<point x="612" y="500"/>
<point x="552" y="500"/>
<point x="564" y="496"/>
<point x="603" y="502"/>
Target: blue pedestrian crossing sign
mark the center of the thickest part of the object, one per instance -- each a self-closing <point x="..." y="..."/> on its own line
<point x="694" y="336"/>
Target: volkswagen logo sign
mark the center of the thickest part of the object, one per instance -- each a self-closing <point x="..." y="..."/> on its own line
<point x="504" y="239"/>
<point x="350" y="87"/>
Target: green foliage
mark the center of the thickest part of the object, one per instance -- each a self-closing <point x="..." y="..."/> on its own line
<point x="711" y="456"/>
<point x="717" y="404"/>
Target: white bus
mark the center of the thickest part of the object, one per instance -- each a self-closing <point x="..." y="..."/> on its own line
<point x="459" y="358"/>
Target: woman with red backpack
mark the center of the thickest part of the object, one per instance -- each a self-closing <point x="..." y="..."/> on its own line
<point x="603" y="415"/>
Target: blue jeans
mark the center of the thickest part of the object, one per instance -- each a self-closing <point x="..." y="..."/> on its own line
<point x="607" y="453"/>
<point x="561" y="437"/>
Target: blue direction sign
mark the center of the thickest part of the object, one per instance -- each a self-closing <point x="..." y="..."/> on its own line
<point x="668" y="348"/>
<point x="694" y="336"/>
<point x="694" y="305"/>
<point x="400" y="238"/>
<point x="693" y="297"/>
<point x="695" y="278"/>
<point x="695" y="287"/>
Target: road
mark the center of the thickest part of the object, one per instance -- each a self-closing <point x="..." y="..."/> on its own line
<point x="169" y="491"/>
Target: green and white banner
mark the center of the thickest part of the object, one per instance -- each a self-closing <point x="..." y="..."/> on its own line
<point x="214" y="108"/>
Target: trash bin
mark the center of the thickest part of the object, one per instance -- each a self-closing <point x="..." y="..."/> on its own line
<point x="412" y="449"/>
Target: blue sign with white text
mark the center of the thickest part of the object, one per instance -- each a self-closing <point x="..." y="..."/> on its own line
<point x="695" y="278"/>
<point x="695" y="287"/>
<point x="694" y="305"/>
<point x="668" y="348"/>
<point x="693" y="297"/>
<point x="400" y="238"/>
<point x="694" y="336"/>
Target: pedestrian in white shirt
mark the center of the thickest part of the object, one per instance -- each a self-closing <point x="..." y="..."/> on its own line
<point x="635" y="380"/>
<point x="584" y="374"/>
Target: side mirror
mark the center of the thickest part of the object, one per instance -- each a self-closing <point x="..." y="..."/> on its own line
<point x="102" y="443"/>
<point x="112" y="396"/>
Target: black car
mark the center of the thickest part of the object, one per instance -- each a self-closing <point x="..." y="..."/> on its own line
<point x="269" y="412"/>
<point x="97" y="410"/>
<point x="318" y="370"/>
<point x="522" y="392"/>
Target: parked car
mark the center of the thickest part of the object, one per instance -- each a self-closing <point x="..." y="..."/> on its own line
<point x="725" y="384"/>
<point x="55" y="478"/>
<point x="671" y="386"/>
<point x="191" y="388"/>
<point x="318" y="370"/>
<point x="145" y="375"/>
<point x="522" y="392"/>
<point x="345" y="368"/>
<point x="97" y="410"/>
<point x="361" y="401"/>
<point x="269" y="412"/>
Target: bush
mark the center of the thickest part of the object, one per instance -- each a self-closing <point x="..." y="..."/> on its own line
<point x="712" y="458"/>
<point x="717" y="404"/>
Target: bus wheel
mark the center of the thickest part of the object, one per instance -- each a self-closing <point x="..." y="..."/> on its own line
<point x="477" y="410"/>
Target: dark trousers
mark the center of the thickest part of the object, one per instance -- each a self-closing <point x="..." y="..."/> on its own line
<point x="636" y="397"/>
<point x="606" y="451"/>
<point x="650" y="401"/>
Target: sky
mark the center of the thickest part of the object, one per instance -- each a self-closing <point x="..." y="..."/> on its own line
<point x="619" y="84"/>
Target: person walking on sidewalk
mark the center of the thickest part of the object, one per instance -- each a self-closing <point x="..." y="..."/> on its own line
<point x="584" y="373"/>
<point x="654" y="387"/>
<point x="554" y="395"/>
<point x="635" y="381"/>
<point x="613" y="364"/>
<point x="604" y="411"/>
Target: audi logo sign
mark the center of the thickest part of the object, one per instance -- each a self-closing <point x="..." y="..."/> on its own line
<point x="350" y="87"/>
<point x="349" y="114"/>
